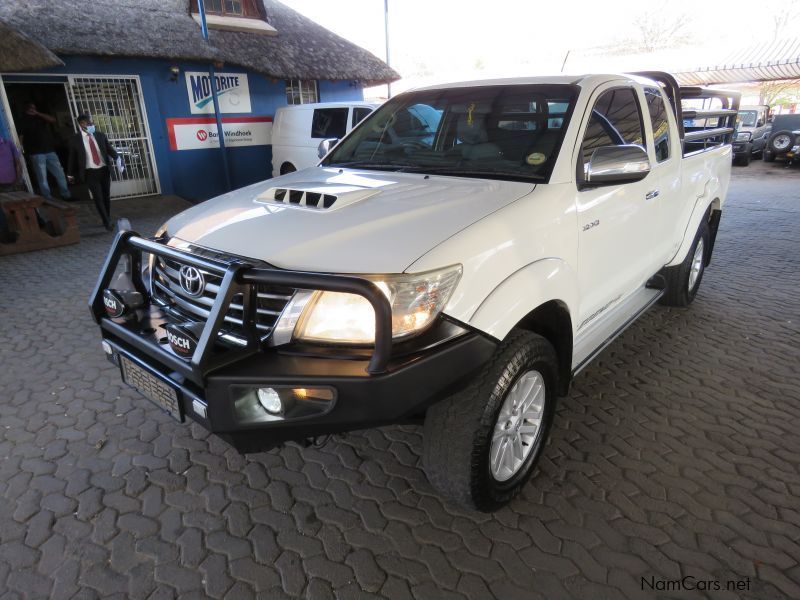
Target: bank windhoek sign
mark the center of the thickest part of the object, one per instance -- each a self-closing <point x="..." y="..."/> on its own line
<point x="198" y="133"/>
<point x="233" y="93"/>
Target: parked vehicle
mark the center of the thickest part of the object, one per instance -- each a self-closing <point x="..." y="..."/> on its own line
<point x="752" y="133"/>
<point x="784" y="139"/>
<point x="298" y="130"/>
<point x="461" y="277"/>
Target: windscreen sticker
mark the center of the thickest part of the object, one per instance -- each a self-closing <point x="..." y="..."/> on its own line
<point x="535" y="159"/>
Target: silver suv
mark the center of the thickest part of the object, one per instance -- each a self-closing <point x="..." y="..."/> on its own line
<point x="752" y="134"/>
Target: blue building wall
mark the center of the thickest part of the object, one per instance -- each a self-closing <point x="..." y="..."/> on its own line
<point x="198" y="174"/>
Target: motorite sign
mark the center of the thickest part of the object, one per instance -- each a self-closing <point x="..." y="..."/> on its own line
<point x="233" y="92"/>
<point x="197" y="133"/>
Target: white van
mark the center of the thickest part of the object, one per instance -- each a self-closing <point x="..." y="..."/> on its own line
<point x="298" y="130"/>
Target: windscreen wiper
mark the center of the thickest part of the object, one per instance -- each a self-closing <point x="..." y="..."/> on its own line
<point x="390" y="166"/>
<point x="480" y="173"/>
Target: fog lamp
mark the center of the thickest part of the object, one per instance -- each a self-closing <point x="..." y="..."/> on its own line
<point x="270" y="401"/>
<point x="119" y="303"/>
<point x="280" y="403"/>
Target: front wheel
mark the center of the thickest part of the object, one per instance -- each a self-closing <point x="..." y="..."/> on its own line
<point x="683" y="280"/>
<point x="482" y="444"/>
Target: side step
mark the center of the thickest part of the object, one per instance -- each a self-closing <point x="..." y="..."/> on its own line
<point x="598" y="335"/>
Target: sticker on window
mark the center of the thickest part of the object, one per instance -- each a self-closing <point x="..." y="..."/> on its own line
<point x="535" y="159"/>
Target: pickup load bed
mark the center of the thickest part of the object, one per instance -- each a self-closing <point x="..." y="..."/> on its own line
<point x="454" y="260"/>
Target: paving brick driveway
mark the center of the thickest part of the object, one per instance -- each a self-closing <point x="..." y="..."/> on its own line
<point x="677" y="453"/>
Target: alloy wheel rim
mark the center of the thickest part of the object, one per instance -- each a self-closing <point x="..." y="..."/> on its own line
<point x="697" y="265"/>
<point x="518" y="426"/>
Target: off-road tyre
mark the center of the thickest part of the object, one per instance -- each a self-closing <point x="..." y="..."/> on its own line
<point x="678" y="292"/>
<point x="458" y="430"/>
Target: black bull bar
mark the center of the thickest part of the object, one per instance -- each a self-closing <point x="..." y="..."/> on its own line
<point x="237" y="277"/>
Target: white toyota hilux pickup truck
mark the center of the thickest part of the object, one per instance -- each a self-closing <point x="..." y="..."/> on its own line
<point x="456" y="270"/>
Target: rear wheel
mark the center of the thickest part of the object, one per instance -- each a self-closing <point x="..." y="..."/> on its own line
<point x="683" y="280"/>
<point x="482" y="444"/>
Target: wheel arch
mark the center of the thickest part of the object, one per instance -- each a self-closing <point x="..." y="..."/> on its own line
<point x="553" y="322"/>
<point x="709" y="211"/>
<point x="541" y="297"/>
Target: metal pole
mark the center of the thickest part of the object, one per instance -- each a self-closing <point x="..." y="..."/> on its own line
<point x="386" y="31"/>
<point x="213" y="76"/>
<point x="564" y="64"/>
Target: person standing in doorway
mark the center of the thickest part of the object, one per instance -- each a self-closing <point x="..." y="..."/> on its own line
<point x="89" y="152"/>
<point x="38" y="143"/>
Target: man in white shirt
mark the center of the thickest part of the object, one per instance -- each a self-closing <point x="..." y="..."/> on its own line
<point x="90" y="154"/>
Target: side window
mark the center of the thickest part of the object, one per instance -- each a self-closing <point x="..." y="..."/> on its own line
<point x="659" y="121"/>
<point x="359" y="114"/>
<point x="329" y="123"/>
<point x="616" y="120"/>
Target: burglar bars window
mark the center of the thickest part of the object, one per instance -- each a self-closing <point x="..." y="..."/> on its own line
<point x="229" y="8"/>
<point x="301" y="91"/>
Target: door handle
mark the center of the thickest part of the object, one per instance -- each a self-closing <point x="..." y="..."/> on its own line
<point x="651" y="194"/>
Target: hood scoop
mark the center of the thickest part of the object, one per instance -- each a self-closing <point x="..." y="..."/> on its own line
<point x="315" y="196"/>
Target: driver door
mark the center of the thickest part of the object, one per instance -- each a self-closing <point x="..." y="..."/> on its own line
<point x="616" y="222"/>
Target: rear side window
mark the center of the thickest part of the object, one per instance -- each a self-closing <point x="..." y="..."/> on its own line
<point x="329" y="123"/>
<point x="359" y="114"/>
<point x="616" y="120"/>
<point x="658" y="119"/>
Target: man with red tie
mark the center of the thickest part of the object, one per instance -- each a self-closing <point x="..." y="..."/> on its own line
<point x="89" y="163"/>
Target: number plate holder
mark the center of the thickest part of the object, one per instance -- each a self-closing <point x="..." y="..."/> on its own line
<point x="151" y="387"/>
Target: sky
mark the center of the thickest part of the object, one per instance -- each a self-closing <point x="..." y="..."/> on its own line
<point x="450" y="40"/>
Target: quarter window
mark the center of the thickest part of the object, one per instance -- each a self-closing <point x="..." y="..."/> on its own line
<point x="658" y="119"/>
<point x="301" y="91"/>
<point x="616" y="120"/>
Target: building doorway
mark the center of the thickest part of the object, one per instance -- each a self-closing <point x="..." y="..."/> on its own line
<point x="116" y="106"/>
<point x="50" y="99"/>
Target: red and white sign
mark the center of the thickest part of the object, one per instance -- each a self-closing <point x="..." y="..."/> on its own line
<point x="197" y="133"/>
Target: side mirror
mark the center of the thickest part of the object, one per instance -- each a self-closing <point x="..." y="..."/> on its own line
<point x="325" y="146"/>
<point x="616" y="164"/>
<point x="760" y="123"/>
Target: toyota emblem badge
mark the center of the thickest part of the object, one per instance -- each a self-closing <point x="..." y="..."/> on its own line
<point x="192" y="281"/>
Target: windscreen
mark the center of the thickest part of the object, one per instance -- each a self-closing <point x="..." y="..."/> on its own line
<point x="512" y="131"/>
<point x="747" y="118"/>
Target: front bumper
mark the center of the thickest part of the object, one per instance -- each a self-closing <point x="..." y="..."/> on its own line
<point x="742" y="149"/>
<point x="384" y="385"/>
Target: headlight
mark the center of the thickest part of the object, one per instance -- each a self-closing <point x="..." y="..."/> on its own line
<point x="743" y="136"/>
<point x="416" y="300"/>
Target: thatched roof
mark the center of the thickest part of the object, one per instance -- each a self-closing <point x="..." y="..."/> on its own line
<point x="302" y="49"/>
<point x="18" y="52"/>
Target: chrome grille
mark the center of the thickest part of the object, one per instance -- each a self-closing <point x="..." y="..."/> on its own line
<point x="167" y="290"/>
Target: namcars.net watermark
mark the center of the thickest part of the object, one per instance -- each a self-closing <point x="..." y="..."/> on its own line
<point x="692" y="584"/>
